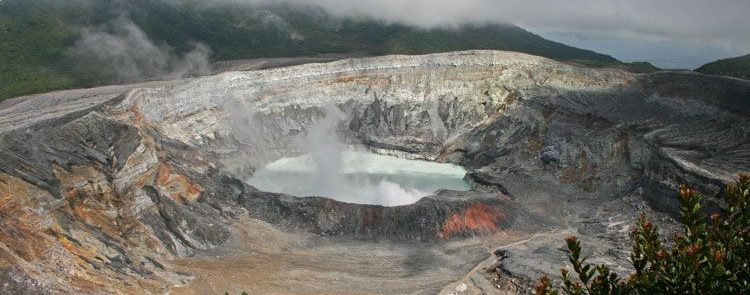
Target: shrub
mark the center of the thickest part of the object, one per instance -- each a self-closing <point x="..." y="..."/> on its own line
<point x="710" y="256"/>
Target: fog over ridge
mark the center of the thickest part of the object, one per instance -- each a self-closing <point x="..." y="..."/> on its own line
<point x="668" y="33"/>
<point x="629" y="29"/>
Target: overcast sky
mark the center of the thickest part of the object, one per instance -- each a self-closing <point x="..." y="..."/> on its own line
<point x="669" y="33"/>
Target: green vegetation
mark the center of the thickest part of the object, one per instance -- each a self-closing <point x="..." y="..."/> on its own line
<point x="36" y="37"/>
<point x="738" y="67"/>
<point x="709" y="257"/>
<point x="31" y="44"/>
<point x="641" y="67"/>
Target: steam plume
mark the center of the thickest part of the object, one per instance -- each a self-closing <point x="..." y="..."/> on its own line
<point x="122" y="51"/>
<point x="330" y="169"/>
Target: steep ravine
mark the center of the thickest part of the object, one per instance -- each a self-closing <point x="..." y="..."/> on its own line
<point x="138" y="188"/>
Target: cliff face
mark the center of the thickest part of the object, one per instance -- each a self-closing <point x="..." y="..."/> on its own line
<point x="102" y="189"/>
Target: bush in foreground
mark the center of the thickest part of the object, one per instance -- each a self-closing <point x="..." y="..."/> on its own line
<point x="710" y="256"/>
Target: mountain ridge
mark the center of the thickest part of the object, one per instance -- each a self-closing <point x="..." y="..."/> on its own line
<point x="37" y="38"/>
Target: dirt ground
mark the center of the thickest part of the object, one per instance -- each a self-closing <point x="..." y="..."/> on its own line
<point x="268" y="261"/>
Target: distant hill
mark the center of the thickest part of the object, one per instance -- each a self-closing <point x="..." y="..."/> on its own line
<point x="738" y="67"/>
<point x="641" y="67"/>
<point x="36" y="37"/>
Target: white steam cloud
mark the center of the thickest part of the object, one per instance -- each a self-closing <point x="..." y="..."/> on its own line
<point x="323" y="146"/>
<point x="123" y="51"/>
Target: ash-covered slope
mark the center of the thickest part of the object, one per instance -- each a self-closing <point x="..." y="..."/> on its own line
<point x="116" y="183"/>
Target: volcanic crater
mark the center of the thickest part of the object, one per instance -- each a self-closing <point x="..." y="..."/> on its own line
<point x="145" y="188"/>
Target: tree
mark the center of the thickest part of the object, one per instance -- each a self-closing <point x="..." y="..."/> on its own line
<point x="710" y="256"/>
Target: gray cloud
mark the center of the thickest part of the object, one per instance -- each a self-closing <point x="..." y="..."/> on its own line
<point x="121" y="50"/>
<point x="670" y="33"/>
<point x="718" y="26"/>
<point x="722" y="21"/>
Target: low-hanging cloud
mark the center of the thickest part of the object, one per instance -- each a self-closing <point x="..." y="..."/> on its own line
<point x="657" y="31"/>
<point x="724" y="21"/>
<point x="122" y="51"/>
<point x="674" y="24"/>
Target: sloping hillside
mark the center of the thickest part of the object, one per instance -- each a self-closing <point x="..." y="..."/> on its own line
<point x="738" y="67"/>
